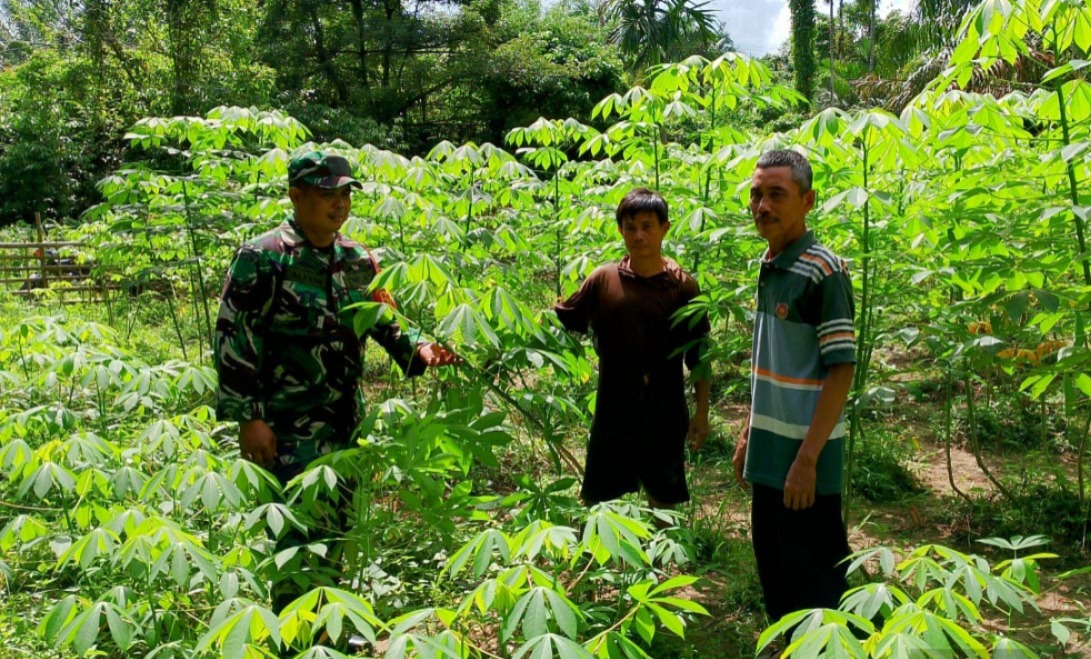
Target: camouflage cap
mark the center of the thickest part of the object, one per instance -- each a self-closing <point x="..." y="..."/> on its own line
<point x="321" y="169"/>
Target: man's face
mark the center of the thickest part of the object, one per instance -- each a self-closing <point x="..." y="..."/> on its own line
<point x="778" y="207"/>
<point x="643" y="234"/>
<point x="320" y="211"/>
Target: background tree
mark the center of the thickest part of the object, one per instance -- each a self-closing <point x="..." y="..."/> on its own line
<point x="558" y="67"/>
<point x="803" y="57"/>
<point x="832" y="52"/>
<point x="401" y="75"/>
<point x="79" y="73"/>
<point x="651" y="32"/>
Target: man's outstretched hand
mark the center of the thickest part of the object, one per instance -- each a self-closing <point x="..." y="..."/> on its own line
<point x="433" y="354"/>
<point x="257" y="442"/>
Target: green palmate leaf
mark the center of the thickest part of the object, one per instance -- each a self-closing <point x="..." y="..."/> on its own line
<point x="1082" y="381"/>
<point x="368" y="315"/>
<point x="536" y="608"/>
<point x="609" y="535"/>
<point x="59" y="617"/>
<point x="341" y="605"/>
<point x="668" y="619"/>
<point x="22" y="529"/>
<point x="615" y="645"/>
<point x="904" y="645"/>
<point x="1006" y="647"/>
<point x="84" y="629"/>
<point x="874" y="599"/>
<point x="565" y="613"/>
<point x="47" y="478"/>
<point x="122" y="630"/>
<point x="551" y="646"/>
<point x="493" y="594"/>
<point x="1016" y="543"/>
<point x="100" y="542"/>
<point x="541" y="537"/>
<point x="644" y="624"/>
<point x="250" y="624"/>
<point x="508" y="311"/>
<point x="784" y="626"/>
<point x="466" y="326"/>
<point x="480" y="549"/>
<point x="830" y="640"/>
<point x="950" y="604"/>
<point x="275" y="516"/>
<point x="14" y="455"/>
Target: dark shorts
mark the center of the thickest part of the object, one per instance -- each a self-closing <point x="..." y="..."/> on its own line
<point x="616" y="467"/>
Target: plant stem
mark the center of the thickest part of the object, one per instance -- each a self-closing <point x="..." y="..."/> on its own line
<point x="557" y="228"/>
<point x="655" y="151"/>
<point x="1073" y="184"/>
<point x="947" y="416"/>
<point x="975" y="442"/>
<point x="863" y="343"/>
<point x="174" y="321"/>
<point x="200" y="275"/>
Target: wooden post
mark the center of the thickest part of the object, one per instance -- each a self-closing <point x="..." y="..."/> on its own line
<point x="41" y="247"/>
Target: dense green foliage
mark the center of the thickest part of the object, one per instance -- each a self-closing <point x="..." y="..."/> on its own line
<point x="73" y="76"/>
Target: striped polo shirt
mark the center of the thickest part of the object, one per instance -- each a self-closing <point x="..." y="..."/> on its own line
<point x="803" y="325"/>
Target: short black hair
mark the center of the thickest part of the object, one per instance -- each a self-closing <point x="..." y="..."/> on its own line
<point x="642" y="200"/>
<point x="801" y="167"/>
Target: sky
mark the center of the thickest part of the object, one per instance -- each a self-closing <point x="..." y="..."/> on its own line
<point x="759" y="27"/>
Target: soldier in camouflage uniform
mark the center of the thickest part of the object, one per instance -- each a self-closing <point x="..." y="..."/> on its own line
<point x="288" y="357"/>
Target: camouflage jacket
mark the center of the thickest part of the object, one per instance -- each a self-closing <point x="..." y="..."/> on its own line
<point x="285" y="347"/>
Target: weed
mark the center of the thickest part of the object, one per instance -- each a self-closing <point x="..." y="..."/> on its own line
<point x="880" y="472"/>
<point x="1034" y="506"/>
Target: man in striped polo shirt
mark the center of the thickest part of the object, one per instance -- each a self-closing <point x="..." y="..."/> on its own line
<point x="802" y="365"/>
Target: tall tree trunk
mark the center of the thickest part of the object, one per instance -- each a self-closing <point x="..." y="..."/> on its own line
<point x="840" y="29"/>
<point x="391" y="7"/>
<point x="833" y="58"/>
<point x="871" y="38"/>
<point x="361" y="40"/>
<point x="183" y="46"/>
<point x="803" y="45"/>
<point x="325" y="61"/>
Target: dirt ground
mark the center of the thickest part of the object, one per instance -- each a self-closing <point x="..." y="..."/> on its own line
<point x="732" y="596"/>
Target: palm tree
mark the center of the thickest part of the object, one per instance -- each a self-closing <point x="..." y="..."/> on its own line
<point x="938" y="21"/>
<point x="651" y="32"/>
<point x="915" y="49"/>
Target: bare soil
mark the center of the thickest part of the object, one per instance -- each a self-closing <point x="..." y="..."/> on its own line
<point x="736" y="619"/>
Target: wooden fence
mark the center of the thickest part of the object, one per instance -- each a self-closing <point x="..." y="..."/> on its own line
<point x="29" y="269"/>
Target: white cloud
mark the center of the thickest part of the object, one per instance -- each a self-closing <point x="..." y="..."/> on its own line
<point x="752" y="24"/>
<point x="760" y="27"/>
<point x="782" y="29"/>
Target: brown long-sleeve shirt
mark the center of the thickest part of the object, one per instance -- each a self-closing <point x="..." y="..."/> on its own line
<point x="641" y="388"/>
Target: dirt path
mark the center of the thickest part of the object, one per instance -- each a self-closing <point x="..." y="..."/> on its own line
<point x="730" y="592"/>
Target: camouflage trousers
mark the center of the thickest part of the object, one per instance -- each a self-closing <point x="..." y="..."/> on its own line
<point x="310" y="569"/>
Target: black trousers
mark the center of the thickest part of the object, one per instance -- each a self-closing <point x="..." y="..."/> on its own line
<point x="799" y="553"/>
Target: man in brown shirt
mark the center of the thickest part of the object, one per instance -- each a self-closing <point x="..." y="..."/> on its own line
<point x="641" y="418"/>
